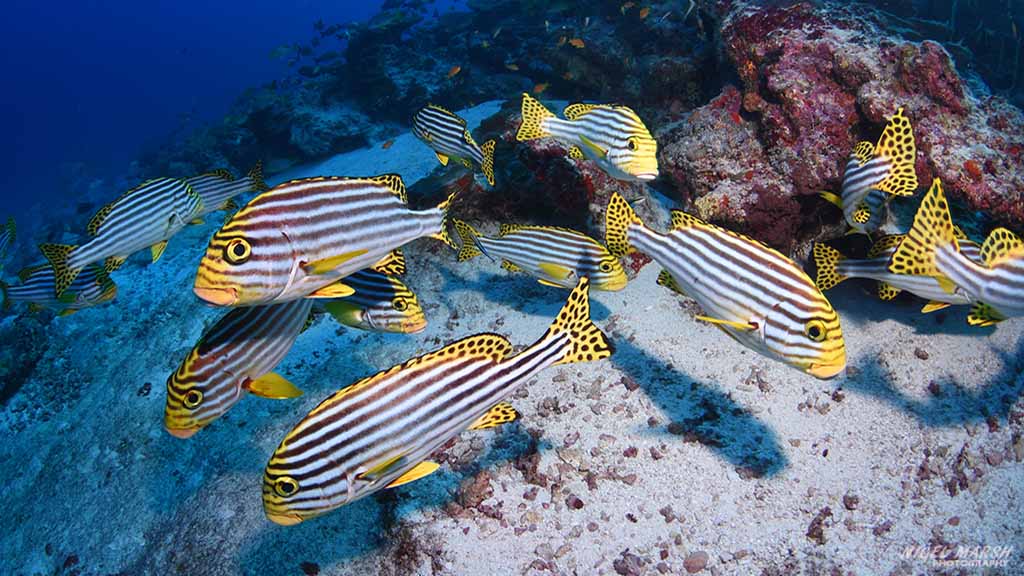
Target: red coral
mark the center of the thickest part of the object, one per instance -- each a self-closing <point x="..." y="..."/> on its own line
<point x="972" y="168"/>
<point x="636" y="261"/>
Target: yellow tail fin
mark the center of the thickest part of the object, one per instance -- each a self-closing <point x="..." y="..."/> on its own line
<point x="826" y="258"/>
<point x="586" y="341"/>
<point x="534" y="114"/>
<point x="256" y="175"/>
<point x="57" y="255"/>
<point x="488" y="166"/>
<point x="443" y="234"/>
<point x="617" y="219"/>
<point x="467" y="234"/>
<point x="932" y="228"/>
<point x="897" y="144"/>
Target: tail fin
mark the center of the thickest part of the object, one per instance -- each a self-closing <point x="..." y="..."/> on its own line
<point x="443" y="234"/>
<point x="488" y="166"/>
<point x="586" y="341"/>
<point x="617" y="219"/>
<point x="256" y="175"/>
<point x="826" y="258"/>
<point x="534" y="114"/>
<point x="897" y="144"/>
<point x="932" y="228"/>
<point x="57" y="255"/>
<point x="468" y="235"/>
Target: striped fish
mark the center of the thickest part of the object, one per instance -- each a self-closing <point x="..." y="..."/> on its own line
<point x="299" y="238"/>
<point x="236" y="355"/>
<point x="555" y="256"/>
<point x="612" y="136"/>
<point x="8" y="234"/>
<point x="377" y="433"/>
<point x="833" y="268"/>
<point x="90" y="288"/>
<point x="381" y="303"/>
<point x="217" y="188"/>
<point x="996" y="286"/>
<point x="873" y="172"/>
<point x="448" y="137"/>
<point x="145" y="216"/>
<point x="756" y="295"/>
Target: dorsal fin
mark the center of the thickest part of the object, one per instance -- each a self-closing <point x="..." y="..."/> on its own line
<point x="507" y="229"/>
<point x="1000" y="245"/>
<point x="222" y="173"/>
<point x="394" y="183"/>
<point x="97" y="220"/>
<point x="681" y="220"/>
<point x="577" y="109"/>
<point x="444" y="110"/>
<point x="885" y="244"/>
<point x="469" y="140"/>
<point x="863" y="152"/>
<point x="393" y="264"/>
<point x="897" y="144"/>
<point x="958" y="233"/>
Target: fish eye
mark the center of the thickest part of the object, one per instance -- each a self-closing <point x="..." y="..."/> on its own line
<point x="193" y="398"/>
<point x="237" y="251"/>
<point x="285" y="486"/>
<point x="605" y="267"/>
<point x="400" y="304"/>
<point x="815" y="330"/>
<point x="633" y="143"/>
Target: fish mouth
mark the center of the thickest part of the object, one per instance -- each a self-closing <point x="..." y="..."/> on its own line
<point x="825" y="371"/>
<point x="414" y="326"/>
<point x="284" y="519"/>
<point x="217" y="296"/>
<point x="182" y="433"/>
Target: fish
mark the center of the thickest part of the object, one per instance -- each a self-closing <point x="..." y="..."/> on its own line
<point x="561" y="41"/>
<point x="8" y="234"/>
<point x="626" y="7"/>
<point x="378" y="432"/>
<point x="555" y="256"/>
<point x="577" y="43"/>
<point x="90" y="288"/>
<point x="833" y="268"/>
<point x="612" y="136"/>
<point x="644" y="12"/>
<point x="875" y="172"/>
<point x="512" y="66"/>
<point x="446" y="134"/>
<point x="538" y="88"/>
<point x="753" y="293"/>
<point x="236" y="355"/>
<point x="217" y="188"/>
<point x="454" y="71"/>
<point x="301" y="237"/>
<point x="381" y="303"/>
<point x="145" y="216"/>
<point x="387" y="144"/>
<point x="996" y="286"/>
<point x="496" y="32"/>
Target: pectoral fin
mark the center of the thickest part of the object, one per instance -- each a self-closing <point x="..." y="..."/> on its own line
<point x="933" y="306"/>
<point x="273" y="385"/>
<point x="575" y="153"/>
<point x="425" y="468"/>
<point x="984" y="315"/>
<point x="729" y="323"/>
<point x="555" y="270"/>
<point x="500" y="414"/>
<point x="887" y="291"/>
<point x="197" y="221"/>
<point x="666" y="279"/>
<point x="335" y="290"/>
<point x="510" y="266"/>
<point x="158" y="250"/>
<point x="327" y="264"/>
<point x="832" y="198"/>
<point x="442" y="158"/>
<point x="593" y="147"/>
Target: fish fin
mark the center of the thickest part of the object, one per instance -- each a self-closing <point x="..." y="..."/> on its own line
<point x="221" y="173"/>
<point x="932" y="228"/>
<point x="381" y="468"/>
<point x="325" y="265"/>
<point x="273" y="385"/>
<point x="593" y="146"/>
<point x="487" y="167"/>
<point x="555" y="270"/>
<point x="853" y="231"/>
<point x="681" y="220"/>
<point x="501" y="413"/>
<point x="229" y="205"/>
<point x="441" y="158"/>
<point x="862" y="215"/>
<point x="3" y="292"/>
<point x="958" y="233"/>
<point x="885" y="244"/>
<point x="443" y="234"/>
<point x="666" y="279"/>
<point x="544" y="282"/>
<point x="158" y="249"/>
<point x="586" y="341"/>
<point x="25" y="273"/>
<point x="534" y="114"/>
<point x="575" y="152"/>
<point x="1000" y="246"/>
<point x="832" y="198"/>
<point x="345" y="312"/>
<point x="510" y="266"/>
<point x="507" y="229"/>
<point x="57" y="255"/>
<point x="67" y="298"/>
<point x="112" y="263"/>
<point x="719" y="322"/>
<point x="897" y="144"/>
<point x="197" y="221"/>
<point x="863" y="152"/>
<point x="469" y="237"/>
<point x="984" y="315"/>
<point x="946" y="284"/>
<point x="425" y="468"/>
<point x="933" y="306"/>
<point x="393" y="264"/>
<point x="333" y="290"/>
<point x="394" y="183"/>
<point x="256" y="175"/>
<point x="575" y="110"/>
<point x="97" y="220"/>
<point x="467" y="163"/>
<point x="887" y="291"/>
<point x="618" y="216"/>
<point x="67" y="312"/>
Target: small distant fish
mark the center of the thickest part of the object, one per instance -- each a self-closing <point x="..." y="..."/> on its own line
<point x="833" y="268"/>
<point x="512" y="67"/>
<point x="145" y="216"/>
<point x="8" y="234"/>
<point x="625" y="7"/>
<point x="586" y="22"/>
<point x="612" y="136"/>
<point x="90" y="288"/>
<point x="298" y="239"/>
<point x="217" y="188"/>
<point x="561" y="41"/>
<point x="567" y="75"/>
<point x="453" y="71"/>
<point x="555" y="256"/>
<point x="644" y="12"/>
<point x="379" y="432"/>
<point x="235" y="356"/>
<point x="873" y="171"/>
<point x="496" y="32"/>
<point x="540" y="87"/>
<point x="932" y="249"/>
<point x="446" y="134"/>
<point x="387" y="144"/>
<point x="381" y="303"/>
<point x="754" y="294"/>
<point x="577" y="43"/>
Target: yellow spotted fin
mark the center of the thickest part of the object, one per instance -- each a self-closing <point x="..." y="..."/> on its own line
<point x="984" y="315"/>
<point x="113" y="263"/>
<point x="393" y="264"/>
<point x="863" y="152"/>
<point x="488" y="165"/>
<point x="500" y="414"/>
<point x="325" y="265"/>
<point x="57" y="255"/>
<point x="575" y="152"/>
<point x="510" y="266"/>
<point x="534" y="114"/>
<point x="887" y="291"/>
<point x="256" y="175"/>
<point x="273" y="385"/>
<point x="666" y="279"/>
<point x="897" y="144"/>
<point x="468" y="236"/>
<point x="1000" y="246"/>
<point x="442" y="234"/>
<point x="862" y="214"/>
<point x="884" y="244"/>
<point x="586" y="341"/>
<point x="574" y="111"/>
<point x="618" y="216"/>
<point x="932" y="228"/>
<point x="826" y="259"/>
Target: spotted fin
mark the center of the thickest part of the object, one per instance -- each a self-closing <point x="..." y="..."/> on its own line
<point x="256" y="175"/>
<point x="441" y="158"/>
<point x="510" y="266"/>
<point x="500" y="414"/>
<point x="273" y="385"/>
<point x="666" y="279"/>
<point x="425" y="468"/>
<point x="393" y="264"/>
<point x="984" y="315"/>
<point x="574" y="111"/>
<point x="443" y="234"/>
<point x="158" y="249"/>
<point x="57" y="255"/>
<point x="897" y="144"/>
<point x="932" y="228"/>
<point x="1000" y="246"/>
<point x="325" y="265"/>
<point x="575" y="153"/>
<point x="681" y="220"/>
<point x="863" y="152"/>
<point x="933" y="306"/>
<point x="394" y="183"/>
<point x="719" y="322"/>
<point x="586" y="342"/>
<point x="487" y="167"/>
<point x="826" y="259"/>
<point x="887" y="291"/>
<point x="113" y="263"/>
<point x="468" y="236"/>
<point x="97" y="220"/>
<point x="333" y="290"/>
<point x="885" y="244"/>
<point x="862" y="215"/>
<point x="618" y="216"/>
<point x="534" y="114"/>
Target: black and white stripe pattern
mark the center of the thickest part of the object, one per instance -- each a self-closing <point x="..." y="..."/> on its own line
<point x="8" y="232"/>
<point x="927" y="287"/>
<point x="381" y="303"/>
<point x="858" y="191"/>
<point x="1000" y="286"/>
<point x="446" y="134"/>
<point x="611" y="128"/>
<point x="93" y="286"/>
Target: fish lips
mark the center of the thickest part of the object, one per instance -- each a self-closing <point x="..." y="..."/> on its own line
<point x="217" y="296"/>
<point x="284" y="519"/>
<point x="826" y="371"/>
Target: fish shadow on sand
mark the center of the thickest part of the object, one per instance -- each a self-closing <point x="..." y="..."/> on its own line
<point x="855" y="300"/>
<point x="376" y="523"/>
<point x="701" y="412"/>
<point x="950" y="400"/>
